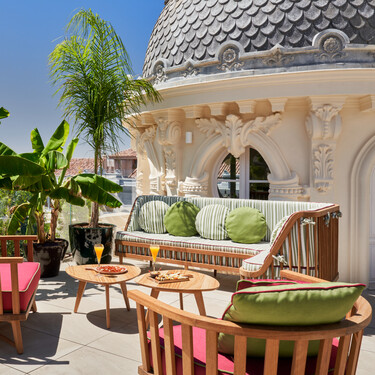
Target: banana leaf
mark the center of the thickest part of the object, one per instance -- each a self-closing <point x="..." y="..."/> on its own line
<point x="14" y="165"/>
<point x="64" y="193"/>
<point x="58" y="138"/>
<point x="36" y="141"/>
<point x="3" y="113"/>
<point x="56" y="160"/>
<point x="99" y="181"/>
<point x="5" y="150"/>
<point x="19" y="216"/>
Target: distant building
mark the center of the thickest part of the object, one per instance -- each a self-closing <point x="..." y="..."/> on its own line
<point x="124" y="161"/>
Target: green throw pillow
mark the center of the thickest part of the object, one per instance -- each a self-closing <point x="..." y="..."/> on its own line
<point x="151" y="216"/>
<point x="180" y="219"/>
<point x="246" y="225"/>
<point x="288" y="305"/>
<point x="210" y="222"/>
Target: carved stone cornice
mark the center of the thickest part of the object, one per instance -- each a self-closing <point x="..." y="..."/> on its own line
<point x="289" y="189"/>
<point x="143" y="136"/>
<point x="234" y="133"/>
<point x="169" y="132"/>
<point x="323" y="127"/>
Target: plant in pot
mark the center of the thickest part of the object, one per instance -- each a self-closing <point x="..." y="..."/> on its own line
<point x="92" y="69"/>
<point x="35" y="173"/>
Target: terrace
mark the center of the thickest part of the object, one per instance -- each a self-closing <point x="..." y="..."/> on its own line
<point x="59" y="341"/>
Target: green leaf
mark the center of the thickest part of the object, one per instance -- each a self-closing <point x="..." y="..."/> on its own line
<point x="5" y="150"/>
<point x="102" y="182"/>
<point x="30" y="156"/>
<point x="90" y="190"/>
<point x="58" y="138"/>
<point x="70" y="149"/>
<point x="15" y="165"/>
<point x="3" y="113"/>
<point x="36" y="141"/>
<point x="55" y="161"/>
<point x="6" y="183"/>
<point x="24" y="182"/>
<point x="19" y="216"/>
<point x="64" y="193"/>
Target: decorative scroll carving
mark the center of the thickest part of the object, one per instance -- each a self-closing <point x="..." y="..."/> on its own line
<point x="230" y="60"/>
<point x="324" y="127"/>
<point x="160" y="74"/>
<point x="190" y="71"/>
<point x="277" y="57"/>
<point x="169" y="133"/>
<point x="234" y="132"/>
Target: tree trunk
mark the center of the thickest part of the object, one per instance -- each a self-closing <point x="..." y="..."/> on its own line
<point x="40" y="227"/>
<point x="54" y="215"/>
<point x="94" y="215"/>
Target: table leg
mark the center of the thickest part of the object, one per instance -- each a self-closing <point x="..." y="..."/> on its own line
<point x="81" y="288"/>
<point x="125" y="294"/>
<point x="155" y="294"/>
<point x="181" y="301"/>
<point x="199" y="299"/>
<point x="108" y="317"/>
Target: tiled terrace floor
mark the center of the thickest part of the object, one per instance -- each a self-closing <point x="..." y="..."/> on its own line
<point x="57" y="341"/>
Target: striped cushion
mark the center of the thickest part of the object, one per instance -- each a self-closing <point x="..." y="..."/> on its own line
<point x="151" y="218"/>
<point x="278" y="227"/>
<point x="210" y="222"/>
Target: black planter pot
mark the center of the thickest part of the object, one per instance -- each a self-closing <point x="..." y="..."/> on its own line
<point x="49" y="255"/>
<point x="82" y="241"/>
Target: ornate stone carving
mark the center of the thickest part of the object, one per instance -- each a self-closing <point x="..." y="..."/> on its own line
<point x="193" y="187"/>
<point x="148" y="135"/>
<point x="323" y="127"/>
<point x="331" y="45"/>
<point x="190" y="71"/>
<point x="323" y="160"/>
<point x="160" y="74"/>
<point x="169" y="133"/>
<point x="289" y="189"/>
<point x="229" y="59"/>
<point x="277" y="57"/>
<point x="234" y="132"/>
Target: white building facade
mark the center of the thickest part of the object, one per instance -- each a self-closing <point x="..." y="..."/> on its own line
<point x="290" y="83"/>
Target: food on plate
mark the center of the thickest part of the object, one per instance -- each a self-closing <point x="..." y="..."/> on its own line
<point x="112" y="269"/>
<point x="168" y="276"/>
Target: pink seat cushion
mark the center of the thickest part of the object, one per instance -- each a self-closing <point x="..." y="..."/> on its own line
<point x="254" y="366"/>
<point x="28" y="279"/>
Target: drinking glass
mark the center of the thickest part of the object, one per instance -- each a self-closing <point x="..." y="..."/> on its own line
<point x="154" y="252"/>
<point x="99" y="251"/>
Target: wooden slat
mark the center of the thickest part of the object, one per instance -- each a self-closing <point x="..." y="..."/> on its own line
<point x="15" y="289"/>
<point x="17" y="252"/>
<point x="4" y="247"/>
<point x="324" y="356"/>
<point x="351" y="367"/>
<point x="299" y="246"/>
<point x="307" y="249"/>
<point x="299" y="357"/>
<point x="30" y="252"/>
<point x="187" y="350"/>
<point x="155" y="344"/>
<point x="342" y="355"/>
<point x="240" y="347"/>
<point x="290" y="250"/>
<point x="143" y="337"/>
<point x="211" y="353"/>
<point x="271" y="357"/>
<point x="170" y="361"/>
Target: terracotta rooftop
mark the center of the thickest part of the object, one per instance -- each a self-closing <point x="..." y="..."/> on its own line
<point x="79" y="165"/>
<point x="129" y="154"/>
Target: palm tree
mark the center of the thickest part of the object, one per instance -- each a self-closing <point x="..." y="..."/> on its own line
<point x="94" y="74"/>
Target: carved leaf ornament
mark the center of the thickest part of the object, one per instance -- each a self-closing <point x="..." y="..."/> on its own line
<point x="234" y="133"/>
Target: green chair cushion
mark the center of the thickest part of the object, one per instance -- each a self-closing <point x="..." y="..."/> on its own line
<point x="288" y="305"/>
<point x="180" y="219"/>
<point x="246" y="225"/>
<point x="210" y="222"/>
<point x="151" y="216"/>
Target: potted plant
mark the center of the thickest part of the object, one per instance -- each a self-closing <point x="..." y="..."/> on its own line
<point x="35" y="172"/>
<point x="92" y="69"/>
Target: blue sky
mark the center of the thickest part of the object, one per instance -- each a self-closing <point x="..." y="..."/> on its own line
<point x="29" y="30"/>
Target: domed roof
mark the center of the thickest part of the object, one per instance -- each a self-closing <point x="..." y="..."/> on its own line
<point x="195" y="30"/>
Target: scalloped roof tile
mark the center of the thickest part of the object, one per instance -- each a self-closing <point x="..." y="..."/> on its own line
<point x="196" y="28"/>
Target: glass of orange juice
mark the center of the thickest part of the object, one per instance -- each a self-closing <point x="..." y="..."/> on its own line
<point x="99" y="251"/>
<point x="154" y="252"/>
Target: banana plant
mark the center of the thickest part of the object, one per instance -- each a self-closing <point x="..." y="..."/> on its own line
<point x="42" y="173"/>
<point x="3" y="113"/>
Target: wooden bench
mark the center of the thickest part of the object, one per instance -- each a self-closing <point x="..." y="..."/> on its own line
<point x="348" y="331"/>
<point x="308" y="242"/>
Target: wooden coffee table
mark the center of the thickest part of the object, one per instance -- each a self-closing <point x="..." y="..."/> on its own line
<point x="197" y="284"/>
<point x="85" y="274"/>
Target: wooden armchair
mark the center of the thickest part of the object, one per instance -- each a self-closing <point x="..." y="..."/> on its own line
<point x="339" y="343"/>
<point x="18" y="285"/>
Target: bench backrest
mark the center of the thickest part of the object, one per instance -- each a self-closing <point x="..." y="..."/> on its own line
<point x="273" y="211"/>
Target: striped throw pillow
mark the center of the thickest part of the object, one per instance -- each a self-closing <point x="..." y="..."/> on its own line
<point x="210" y="222"/>
<point x="278" y="228"/>
<point x="151" y="217"/>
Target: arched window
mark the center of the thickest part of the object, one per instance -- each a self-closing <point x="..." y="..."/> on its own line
<point x="243" y="177"/>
